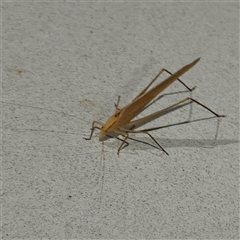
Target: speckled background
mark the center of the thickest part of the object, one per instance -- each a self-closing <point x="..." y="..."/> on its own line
<point x="63" y="66"/>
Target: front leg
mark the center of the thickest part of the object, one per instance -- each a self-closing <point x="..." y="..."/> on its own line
<point x="93" y="128"/>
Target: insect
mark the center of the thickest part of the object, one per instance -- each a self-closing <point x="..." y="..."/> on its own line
<point x="120" y="122"/>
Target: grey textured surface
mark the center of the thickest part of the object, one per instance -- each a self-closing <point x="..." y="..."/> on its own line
<point x="77" y="58"/>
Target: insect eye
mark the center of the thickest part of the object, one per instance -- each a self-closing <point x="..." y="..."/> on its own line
<point x="117" y="114"/>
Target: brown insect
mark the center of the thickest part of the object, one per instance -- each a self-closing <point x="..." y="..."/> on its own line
<point x="120" y="122"/>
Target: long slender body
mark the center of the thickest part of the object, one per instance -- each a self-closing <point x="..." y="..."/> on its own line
<point x="120" y="122"/>
<point x="126" y="114"/>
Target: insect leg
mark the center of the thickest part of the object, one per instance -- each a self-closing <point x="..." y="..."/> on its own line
<point x="138" y="123"/>
<point x="155" y="141"/>
<point x="93" y="128"/>
<point x="123" y="142"/>
<point x="161" y="71"/>
<point x="146" y="88"/>
<point x="126" y="144"/>
<point x="145" y="132"/>
<point x="191" y="99"/>
<point x="190" y="89"/>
